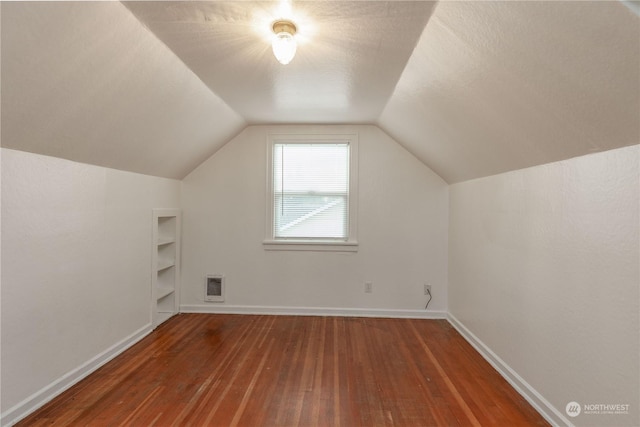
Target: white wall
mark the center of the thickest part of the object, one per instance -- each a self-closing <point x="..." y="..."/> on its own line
<point x="76" y="268"/>
<point x="544" y="270"/>
<point x="402" y="231"/>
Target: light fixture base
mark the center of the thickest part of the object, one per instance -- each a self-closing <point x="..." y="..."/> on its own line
<point x="284" y="26"/>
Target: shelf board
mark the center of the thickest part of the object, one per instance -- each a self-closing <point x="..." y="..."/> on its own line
<point x="165" y="240"/>
<point x="164" y="264"/>
<point x="163" y="316"/>
<point x="163" y="292"/>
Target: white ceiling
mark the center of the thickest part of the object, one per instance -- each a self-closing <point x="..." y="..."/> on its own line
<point x="86" y="81"/>
<point x="350" y="54"/>
<point x="499" y="86"/>
<point x="471" y="88"/>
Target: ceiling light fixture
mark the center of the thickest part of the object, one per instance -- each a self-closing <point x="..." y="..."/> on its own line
<point x="284" y="43"/>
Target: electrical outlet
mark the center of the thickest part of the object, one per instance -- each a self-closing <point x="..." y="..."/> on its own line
<point x="368" y="287"/>
<point x="427" y="289"/>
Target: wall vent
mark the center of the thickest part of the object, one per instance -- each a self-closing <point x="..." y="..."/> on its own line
<point x="214" y="288"/>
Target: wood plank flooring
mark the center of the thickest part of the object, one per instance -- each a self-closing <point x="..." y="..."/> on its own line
<point x="237" y="370"/>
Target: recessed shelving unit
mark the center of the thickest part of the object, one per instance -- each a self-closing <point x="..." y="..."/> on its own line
<point x="165" y="241"/>
<point x="165" y="266"/>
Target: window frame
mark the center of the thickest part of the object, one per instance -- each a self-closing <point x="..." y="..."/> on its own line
<point x="351" y="243"/>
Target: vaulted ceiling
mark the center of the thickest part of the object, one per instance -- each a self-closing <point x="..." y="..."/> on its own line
<point x="470" y="88"/>
<point x="350" y="58"/>
<point x="499" y="86"/>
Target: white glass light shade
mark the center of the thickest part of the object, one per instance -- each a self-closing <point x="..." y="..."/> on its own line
<point x="284" y="47"/>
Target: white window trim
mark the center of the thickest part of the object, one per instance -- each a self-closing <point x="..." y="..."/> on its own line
<point x="350" y="245"/>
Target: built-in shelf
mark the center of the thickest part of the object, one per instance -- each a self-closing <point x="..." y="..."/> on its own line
<point x="163" y="292"/>
<point x="161" y="317"/>
<point x="165" y="241"/>
<point x="165" y="264"/>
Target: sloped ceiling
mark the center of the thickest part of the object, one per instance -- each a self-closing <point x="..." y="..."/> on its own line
<point x="471" y="88"/>
<point x="499" y="86"/>
<point x="87" y="82"/>
<point x="350" y="57"/>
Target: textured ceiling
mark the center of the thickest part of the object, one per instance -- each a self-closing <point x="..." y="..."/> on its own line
<point x="471" y="88"/>
<point x="499" y="86"/>
<point x="86" y="81"/>
<point x="349" y="59"/>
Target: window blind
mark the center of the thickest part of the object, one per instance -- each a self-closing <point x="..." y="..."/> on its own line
<point x="311" y="191"/>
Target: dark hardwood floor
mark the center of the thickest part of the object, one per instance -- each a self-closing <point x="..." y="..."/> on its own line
<point x="236" y="370"/>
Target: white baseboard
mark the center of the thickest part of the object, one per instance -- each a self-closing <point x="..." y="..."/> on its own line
<point x="542" y="405"/>
<point x="312" y="311"/>
<point x="44" y="395"/>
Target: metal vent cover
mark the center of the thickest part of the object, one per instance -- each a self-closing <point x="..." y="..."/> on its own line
<point x="214" y="288"/>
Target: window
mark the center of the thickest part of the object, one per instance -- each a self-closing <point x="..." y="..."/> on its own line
<point x="312" y="192"/>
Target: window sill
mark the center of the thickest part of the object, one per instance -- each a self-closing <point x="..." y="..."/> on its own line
<point x="316" y="246"/>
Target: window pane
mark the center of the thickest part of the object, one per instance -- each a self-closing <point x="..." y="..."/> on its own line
<point x="322" y="168"/>
<point x="311" y="191"/>
<point x="307" y="217"/>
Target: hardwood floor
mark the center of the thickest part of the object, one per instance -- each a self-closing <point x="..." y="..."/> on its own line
<point x="236" y="370"/>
